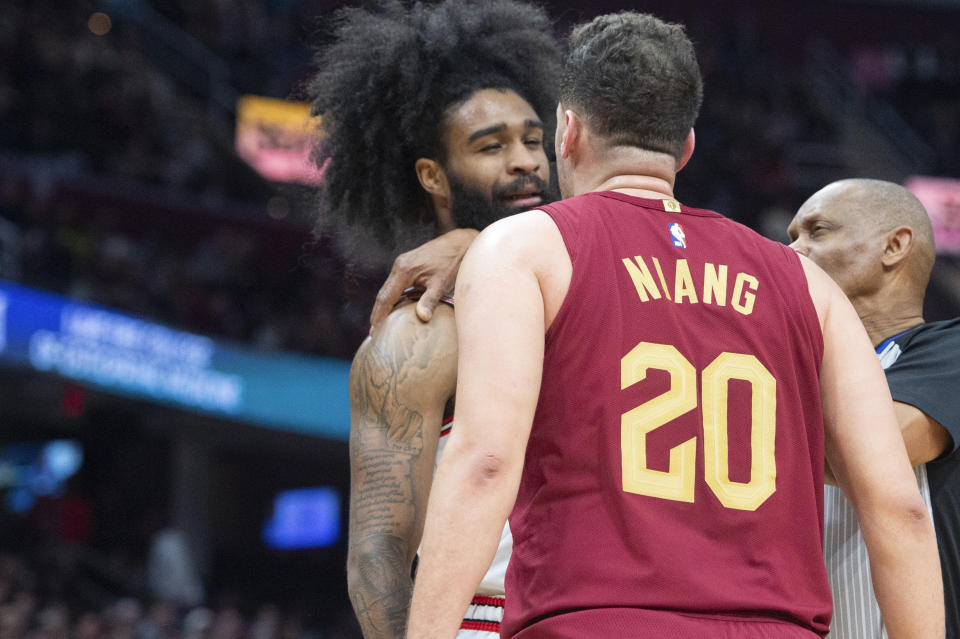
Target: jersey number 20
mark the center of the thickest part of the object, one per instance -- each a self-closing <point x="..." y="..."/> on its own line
<point x="677" y="483"/>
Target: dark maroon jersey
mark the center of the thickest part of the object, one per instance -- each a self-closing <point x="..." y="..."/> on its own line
<point x="674" y="472"/>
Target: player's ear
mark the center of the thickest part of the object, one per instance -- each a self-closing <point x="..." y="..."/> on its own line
<point x="572" y="135"/>
<point x="432" y="177"/>
<point x="688" y="145"/>
<point x="434" y="181"/>
<point x="899" y="244"/>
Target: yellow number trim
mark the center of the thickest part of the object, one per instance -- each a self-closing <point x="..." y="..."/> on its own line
<point x="763" y="464"/>
<point x="677" y="483"/>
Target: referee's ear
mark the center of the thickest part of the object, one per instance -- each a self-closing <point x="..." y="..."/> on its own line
<point x="688" y="145"/>
<point x="899" y="245"/>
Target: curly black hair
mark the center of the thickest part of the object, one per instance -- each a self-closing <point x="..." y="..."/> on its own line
<point x="384" y="83"/>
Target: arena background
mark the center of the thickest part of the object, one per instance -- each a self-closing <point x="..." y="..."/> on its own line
<point x="174" y="341"/>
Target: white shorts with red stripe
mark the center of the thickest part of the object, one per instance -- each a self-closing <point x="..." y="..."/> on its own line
<point x="483" y="618"/>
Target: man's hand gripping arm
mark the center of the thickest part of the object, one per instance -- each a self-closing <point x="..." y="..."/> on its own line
<point x="432" y="266"/>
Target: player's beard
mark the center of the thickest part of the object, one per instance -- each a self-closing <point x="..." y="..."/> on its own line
<point x="474" y="209"/>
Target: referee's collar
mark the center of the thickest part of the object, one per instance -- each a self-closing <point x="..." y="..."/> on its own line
<point x="885" y="344"/>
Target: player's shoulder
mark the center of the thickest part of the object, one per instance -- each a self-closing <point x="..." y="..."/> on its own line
<point x="771" y="248"/>
<point x="404" y="327"/>
<point x="524" y="236"/>
<point x="402" y="339"/>
<point x="507" y="227"/>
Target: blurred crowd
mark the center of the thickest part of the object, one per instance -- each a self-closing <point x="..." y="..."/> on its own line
<point x="100" y="101"/>
<point x="73" y="567"/>
<point x="266" y="43"/>
<point x="39" y="602"/>
<point x="269" y="286"/>
<point x="80" y="105"/>
<point x="922" y="80"/>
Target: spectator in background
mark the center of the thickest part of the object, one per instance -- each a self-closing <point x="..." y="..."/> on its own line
<point x="172" y="573"/>
<point x="197" y="623"/>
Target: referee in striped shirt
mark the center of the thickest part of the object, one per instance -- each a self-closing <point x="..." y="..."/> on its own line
<point x="875" y="239"/>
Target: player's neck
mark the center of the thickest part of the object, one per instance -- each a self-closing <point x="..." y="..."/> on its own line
<point x="443" y="215"/>
<point x="638" y="186"/>
<point x="629" y="170"/>
<point x="884" y="319"/>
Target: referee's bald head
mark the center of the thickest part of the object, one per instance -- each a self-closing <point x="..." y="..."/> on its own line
<point x="887" y="205"/>
<point x="867" y="214"/>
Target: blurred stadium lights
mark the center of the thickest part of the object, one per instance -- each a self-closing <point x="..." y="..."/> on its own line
<point x="941" y="198"/>
<point x="304" y="518"/>
<point x="35" y="469"/>
<point x="277" y="137"/>
<point x="99" y="23"/>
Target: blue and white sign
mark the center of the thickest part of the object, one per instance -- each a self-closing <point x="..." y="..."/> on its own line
<point x="135" y="358"/>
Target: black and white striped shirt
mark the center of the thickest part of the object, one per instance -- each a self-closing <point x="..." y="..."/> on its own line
<point x="923" y="369"/>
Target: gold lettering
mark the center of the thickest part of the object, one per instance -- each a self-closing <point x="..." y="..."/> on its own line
<point x="663" y="282"/>
<point x="642" y="278"/>
<point x="715" y="284"/>
<point x="683" y="283"/>
<point x="744" y="305"/>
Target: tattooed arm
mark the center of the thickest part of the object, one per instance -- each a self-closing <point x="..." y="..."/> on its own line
<point x="401" y="379"/>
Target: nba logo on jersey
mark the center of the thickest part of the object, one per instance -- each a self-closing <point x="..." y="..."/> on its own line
<point x="677" y="235"/>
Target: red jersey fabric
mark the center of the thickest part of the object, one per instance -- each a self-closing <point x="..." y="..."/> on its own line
<point x="674" y="472"/>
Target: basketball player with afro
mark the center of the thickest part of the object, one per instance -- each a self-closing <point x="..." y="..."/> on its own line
<point x="435" y="116"/>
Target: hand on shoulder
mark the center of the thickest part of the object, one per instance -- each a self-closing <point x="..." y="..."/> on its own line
<point x="432" y="266"/>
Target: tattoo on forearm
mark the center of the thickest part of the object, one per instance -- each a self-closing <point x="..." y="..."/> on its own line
<point x="385" y="494"/>
<point x="385" y="450"/>
<point x="382" y="590"/>
<point x="386" y="445"/>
